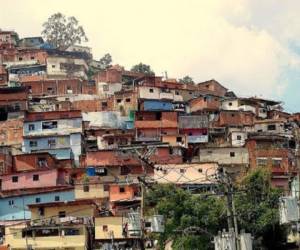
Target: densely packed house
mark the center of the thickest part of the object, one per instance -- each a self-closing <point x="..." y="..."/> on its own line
<point x="76" y="150"/>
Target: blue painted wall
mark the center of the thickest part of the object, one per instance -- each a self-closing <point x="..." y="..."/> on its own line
<point x="157" y="105"/>
<point x="16" y="211"/>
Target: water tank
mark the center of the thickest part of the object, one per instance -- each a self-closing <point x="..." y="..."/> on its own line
<point x="90" y="171"/>
<point x="157" y="224"/>
<point x="134" y="224"/>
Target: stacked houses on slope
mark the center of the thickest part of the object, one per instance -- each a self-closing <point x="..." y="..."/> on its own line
<point x="74" y="148"/>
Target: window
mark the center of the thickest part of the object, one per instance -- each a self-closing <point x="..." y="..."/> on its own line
<point x="20" y="58"/>
<point x="276" y="162"/>
<point x="49" y="125"/>
<point x="53" y="66"/>
<point x="106" y="187"/>
<point x="56" y="198"/>
<point x="232" y="154"/>
<point x="151" y="90"/>
<point x="232" y="115"/>
<point x="230" y="104"/>
<point x="2" y="167"/>
<point x="31" y="127"/>
<point x="209" y="152"/>
<point x="205" y="99"/>
<point x="123" y="141"/>
<point x="261" y="162"/>
<point x="165" y="171"/>
<point x="15" y="179"/>
<point x="42" y="162"/>
<point x="122" y="190"/>
<point x="33" y="143"/>
<point x="110" y="141"/>
<point x="272" y="127"/>
<point x="239" y="137"/>
<point x="86" y="188"/>
<point x="182" y="171"/>
<point x="69" y="90"/>
<point x="178" y="139"/>
<point x="200" y="170"/>
<point x="51" y="143"/>
<point x="32" y="57"/>
<point x="105" y="88"/>
<point x="127" y="99"/>
<point x="158" y="116"/>
<point x="37" y="200"/>
<point x="176" y="92"/>
<point x="35" y="177"/>
<point x="41" y="211"/>
<point x="119" y="100"/>
<point x="125" y="170"/>
<point x="190" y="133"/>
<point x="11" y="202"/>
<point x="104" y="104"/>
<point x="105" y="228"/>
<point x="62" y="214"/>
<point x="17" y="107"/>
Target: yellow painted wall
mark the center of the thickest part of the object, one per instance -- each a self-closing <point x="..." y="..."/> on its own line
<point x="114" y="224"/>
<point x="95" y="191"/>
<point x="76" y="211"/>
<point x="16" y="242"/>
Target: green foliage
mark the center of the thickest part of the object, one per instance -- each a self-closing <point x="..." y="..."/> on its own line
<point x="183" y="210"/>
<point x="143" y="68"/>
<point x="257" y="208"/>
<point x="256" y="203"/>
<point x="186" y="79"/>
<point x="62" y="32"/>
<point x="105" y="61"/>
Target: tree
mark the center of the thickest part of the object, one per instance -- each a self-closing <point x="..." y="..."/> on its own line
<point x="62" y="32"/>
<point x="256" y="203"/>
<point x="143" y="68"/>
<point x="105" y="61"/>
<point x="182" y="210"/>
<point x="257" y="209"/>
<point x="186" y="79"/>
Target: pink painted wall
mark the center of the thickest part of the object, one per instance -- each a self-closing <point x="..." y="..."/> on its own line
<point x="47" y="178"/>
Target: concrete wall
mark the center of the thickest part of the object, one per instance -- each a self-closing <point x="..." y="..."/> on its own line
<point x="96" y="191"/>
<point x="105" y="225"/>
<point x="17" y="212"/>
<point x="54" y="67"/>
<point x="224" y="155"/>
<point x="47" y="178"/>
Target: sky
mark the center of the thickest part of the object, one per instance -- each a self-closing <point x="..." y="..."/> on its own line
<point x="250" y="46"/>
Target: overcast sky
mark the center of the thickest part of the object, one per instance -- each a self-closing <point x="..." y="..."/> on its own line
<point x="250" y="46"/>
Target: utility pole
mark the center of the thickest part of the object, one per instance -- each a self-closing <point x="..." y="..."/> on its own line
<point x="231" y="212"/>
<point x="297" y="157"/>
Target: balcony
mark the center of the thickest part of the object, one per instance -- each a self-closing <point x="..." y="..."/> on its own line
<point x="147" y="138"/>
<point x="148" y="124"/>
<point x="197" y="138"/>
<point x="166" y="96"/>
<point x="178" y="98"/>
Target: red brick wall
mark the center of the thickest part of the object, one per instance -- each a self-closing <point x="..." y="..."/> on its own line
<point x="115" y="194"/>
<point x="11" y="132"/>
<point x="200" y="104"/>
<point x="59" y="87"/>
<point x="235" y="118"/>
<point x="30" y="161"/>
<point x="109" y="76"/>
<point x="87" y="105"/>
<point x="27" y="55"/>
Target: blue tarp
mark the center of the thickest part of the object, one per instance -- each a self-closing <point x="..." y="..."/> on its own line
<point x="157" y="105"/>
